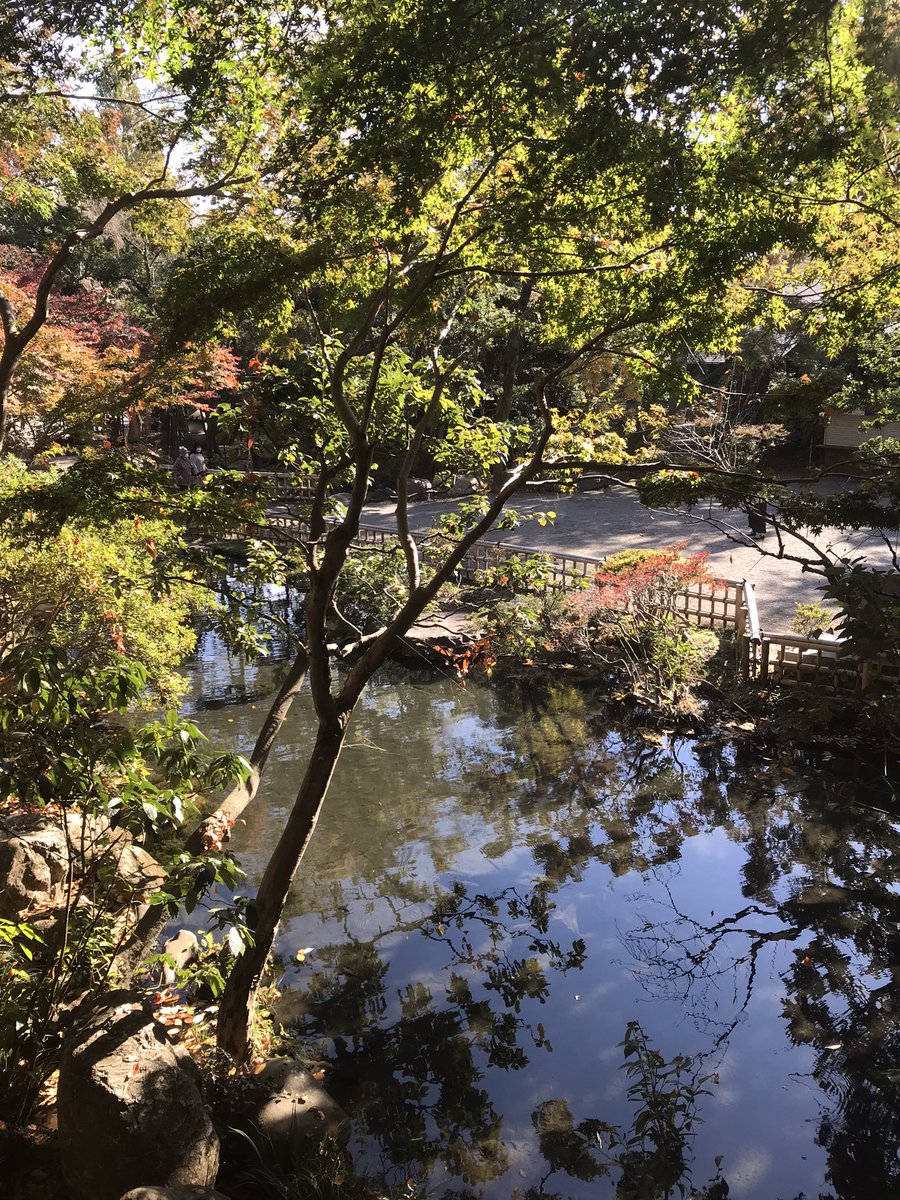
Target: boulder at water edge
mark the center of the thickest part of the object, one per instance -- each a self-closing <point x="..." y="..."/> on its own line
<point x="34" y="863"/>
<point x="284" y="1102"/>
<point x="129" y="1107"/>
<point x="40" y="852"/>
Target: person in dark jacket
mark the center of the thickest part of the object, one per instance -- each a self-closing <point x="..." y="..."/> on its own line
<point x="757" y="514"/>
<point x="182" y="472"/>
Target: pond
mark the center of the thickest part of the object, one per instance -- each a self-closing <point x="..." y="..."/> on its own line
<point x="501" y="882"/>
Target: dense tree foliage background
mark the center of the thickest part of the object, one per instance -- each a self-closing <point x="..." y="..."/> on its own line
<point x="375" y="239"/>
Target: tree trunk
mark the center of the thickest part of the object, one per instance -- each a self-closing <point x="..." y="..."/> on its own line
<point x="7" y="366"/>
<point x="215" y="828"/>
<point x="512" y="355"/>
<point x="212" y="828"/>
<point x="236" y="1012"/>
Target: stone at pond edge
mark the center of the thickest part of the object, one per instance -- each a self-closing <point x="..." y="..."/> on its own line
<point x="283" y="1102"/>
<point x="34" y="863"/>
<point x="177" y="1193"/>
<point x="128" y="1104"/>
<point x="183" y="949"/>
<point x="39" y="850"/>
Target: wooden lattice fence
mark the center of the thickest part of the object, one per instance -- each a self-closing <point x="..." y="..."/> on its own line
<point x="769" y="657"/>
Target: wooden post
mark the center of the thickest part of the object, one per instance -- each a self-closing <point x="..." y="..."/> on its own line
<point x="866" y="671"/>
<point x="764" y="661"/>
<point x="741" y="641"/>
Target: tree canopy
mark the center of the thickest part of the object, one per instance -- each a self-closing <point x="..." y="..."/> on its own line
<point x="490" y="238"/>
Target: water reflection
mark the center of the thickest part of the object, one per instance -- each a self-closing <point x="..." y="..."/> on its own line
<point x="501" y="883"/>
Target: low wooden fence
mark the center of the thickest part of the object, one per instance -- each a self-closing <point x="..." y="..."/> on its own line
<point x="288" y="484"/>
<point x="713" y="607"/>
<point x="767" y="656"/>
<point x="788" y="659"/>
<point x="285" y="484"/>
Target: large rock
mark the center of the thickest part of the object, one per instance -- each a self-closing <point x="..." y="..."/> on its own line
<point x="34" y="863"/>
<point x="182" y="949"/>
<point x="284" y="1102"/>
<point x="39" y="850"/>
<point x="418" y="489"/>
<point x="127" y="870"/>
<point x="462" y="485"/>
<point x="129" y="1107"/>
<point x="177" y="1193"/>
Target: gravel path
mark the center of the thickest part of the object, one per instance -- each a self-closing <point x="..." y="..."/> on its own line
<point x="596" y="524"/>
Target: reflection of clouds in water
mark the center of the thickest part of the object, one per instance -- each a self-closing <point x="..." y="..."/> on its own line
<point x="714" y="845"/>
<point x="616" y="1084"/>
<point x="745" y="1172"/>
<point x="771" y="995"/>
<point x="587" y="999"/>
<point x="472" y="864"/>
<point x="474" y="786"/>
<point x="727" y="1089"/>
<point x="568" y="916"/>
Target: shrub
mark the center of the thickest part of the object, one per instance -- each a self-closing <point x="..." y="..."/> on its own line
<point x="625" y="559"/>
<point x="68" y="753"/>
<point x="811" y="617"/>
<point x="632" y="620"/>
<point x="516" y="573"/>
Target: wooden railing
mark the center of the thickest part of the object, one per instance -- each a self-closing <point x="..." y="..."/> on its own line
<point x="788" y="659"/>
<point x="290" y="484"/>
<point x="763" y="655"/>
<point x="718" y="606"/>
<point x="748" y="632"/>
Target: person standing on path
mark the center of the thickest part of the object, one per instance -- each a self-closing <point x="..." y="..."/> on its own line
<point x="198" y="467"/>
<point x="182" y="471"/>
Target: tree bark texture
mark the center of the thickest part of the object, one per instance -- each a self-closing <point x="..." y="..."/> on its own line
<point x="236" y="1011"/>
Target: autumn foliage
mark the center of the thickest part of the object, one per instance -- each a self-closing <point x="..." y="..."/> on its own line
<point x="93" y="361"/>
<point x="648" y="583"/>
<point x="633" y="621"/>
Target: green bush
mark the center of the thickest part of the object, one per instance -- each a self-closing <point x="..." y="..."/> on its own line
<point x="810" y="617"/>
<point x="616" y="564"/>
<point x="67" y="751"/>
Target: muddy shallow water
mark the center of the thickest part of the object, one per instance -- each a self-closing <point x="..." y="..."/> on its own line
<point x="501" y="882"/>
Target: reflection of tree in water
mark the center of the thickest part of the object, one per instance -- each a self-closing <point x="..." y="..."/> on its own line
<point x="414" y="1081"/>
<point x="648" y="1160"/>
<point x="550" y="774"/>
<point x="821" y="878"/>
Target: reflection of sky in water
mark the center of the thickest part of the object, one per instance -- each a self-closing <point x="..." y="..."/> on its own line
<point x="656" y="849"/>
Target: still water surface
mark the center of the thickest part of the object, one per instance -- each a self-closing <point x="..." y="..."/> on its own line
<point x="501" y="882"/>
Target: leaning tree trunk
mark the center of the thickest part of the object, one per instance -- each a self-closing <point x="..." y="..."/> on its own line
<point x="7" y="364"/>
<point x="215" y="828"/>
<point x="236" y="1011"/>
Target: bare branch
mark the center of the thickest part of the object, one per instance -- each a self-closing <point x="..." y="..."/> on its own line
<point x="143" y="105"/>
<point x="556" y="273"/>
